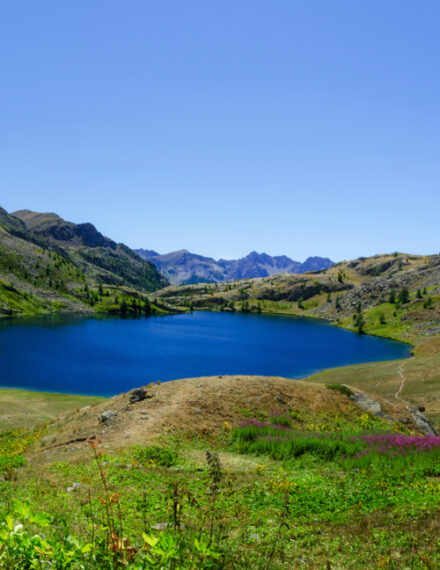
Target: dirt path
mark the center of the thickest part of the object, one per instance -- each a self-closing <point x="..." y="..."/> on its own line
<point x="402" y="383"/>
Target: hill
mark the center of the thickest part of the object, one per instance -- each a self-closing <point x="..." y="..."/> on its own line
<point x="183" y="267"/>
<point x="49" y="265"/>
<point x="201" y="405"/>
<point x="222" y="472"/>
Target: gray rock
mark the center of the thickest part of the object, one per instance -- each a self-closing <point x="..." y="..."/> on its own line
<point x="160" y="526"/>
<point x="138" y="395"/>
<point x="368" y="404"/>
<point x="198" y="411"/>
<point x="421" y="421"/>
<point x="74" y="487"/>
<point x="107" y="415"/>
<point x="48" y="438"/>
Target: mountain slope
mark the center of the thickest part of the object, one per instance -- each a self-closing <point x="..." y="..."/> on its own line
<point x="97" y="256"/>
<point x="41" y="274"/>
<point x="183" y="267"/>
<point x="333" y="293"/>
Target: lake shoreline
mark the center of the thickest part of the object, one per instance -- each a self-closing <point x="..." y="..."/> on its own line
<point x="225" y="324"/>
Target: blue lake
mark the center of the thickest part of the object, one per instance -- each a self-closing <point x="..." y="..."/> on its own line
<point x="106" y="356"/>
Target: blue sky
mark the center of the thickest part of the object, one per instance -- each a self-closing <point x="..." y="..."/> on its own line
<point x="297" y="128"/>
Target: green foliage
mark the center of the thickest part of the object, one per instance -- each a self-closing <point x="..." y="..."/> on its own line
<point x="280" y="502"/>
<point x="403" y="296"/>
<point x="428" y="304"/>
<point x="9" y="463"/>
<point x="340" y="388"/>
<point x="359" y="322"/>
<point x="392" y="298"/>
<point x="155" y="455"/>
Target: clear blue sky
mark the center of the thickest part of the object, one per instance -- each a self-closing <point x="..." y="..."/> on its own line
<point x="223" y="126"/>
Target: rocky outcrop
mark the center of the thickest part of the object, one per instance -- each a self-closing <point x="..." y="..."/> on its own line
<point x="374" y="408"/>
<point x="138" y="395"/>
<point x="368" y="404"/>
<point x="421" y="421"/>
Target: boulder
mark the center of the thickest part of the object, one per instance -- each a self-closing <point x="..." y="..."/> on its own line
<point x="421" y="421"/>
<point x="107" y="415"/>
<point x="138" y="395"/>
<point x="368" y="404"/>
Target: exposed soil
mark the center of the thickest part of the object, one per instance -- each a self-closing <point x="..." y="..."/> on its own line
<point x="194" y="405"/>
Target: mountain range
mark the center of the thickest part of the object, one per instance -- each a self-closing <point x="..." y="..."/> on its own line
<point x="184" y="268"/>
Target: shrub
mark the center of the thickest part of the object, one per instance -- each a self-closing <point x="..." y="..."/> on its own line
<point x="341" y="388"/>
<point x="9" y="463"/>
<point x="155" y="454"/>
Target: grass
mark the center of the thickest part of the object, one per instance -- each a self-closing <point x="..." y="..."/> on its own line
<point x="336" y="499"/>
<point x="291" y="490"/>
<point x="417" y="378"/>
<point x="25" y="408"/>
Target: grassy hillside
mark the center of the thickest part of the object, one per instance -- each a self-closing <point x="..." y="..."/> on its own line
<point x="334" y="293"/>
<point x="39" y="274"/>
<point x="228" y="472"/>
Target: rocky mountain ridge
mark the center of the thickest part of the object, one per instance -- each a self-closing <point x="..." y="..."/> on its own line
<point x="183" y="267"/>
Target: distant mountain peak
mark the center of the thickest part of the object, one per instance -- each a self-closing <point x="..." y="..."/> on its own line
<point x="184" y="267"/>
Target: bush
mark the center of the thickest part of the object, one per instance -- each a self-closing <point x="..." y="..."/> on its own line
<point x="341" y="388"/>
<point x="155" y="454"/>
<point x="9" y="463"/>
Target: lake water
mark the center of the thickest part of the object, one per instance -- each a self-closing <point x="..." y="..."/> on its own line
<point x="106" y="356"/>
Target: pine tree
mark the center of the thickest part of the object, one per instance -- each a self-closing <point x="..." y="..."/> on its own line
<point x="403" y="296"/>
